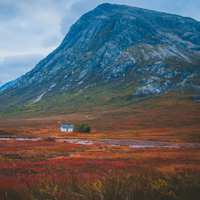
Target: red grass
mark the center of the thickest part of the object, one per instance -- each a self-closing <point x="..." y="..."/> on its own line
<point x="25" y="164"/>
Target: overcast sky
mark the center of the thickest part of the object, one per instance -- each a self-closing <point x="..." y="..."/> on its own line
<point x="31" y="29"/>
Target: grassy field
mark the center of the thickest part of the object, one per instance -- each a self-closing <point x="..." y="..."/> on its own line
<point x="170" y="123"/>
<point x="53" y="170"/>
<point x="47" y="169"/>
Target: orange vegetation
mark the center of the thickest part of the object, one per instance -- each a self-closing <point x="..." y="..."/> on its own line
<point x="34" y="165"/>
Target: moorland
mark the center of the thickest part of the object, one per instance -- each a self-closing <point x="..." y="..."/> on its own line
<point x="57" y="167"/>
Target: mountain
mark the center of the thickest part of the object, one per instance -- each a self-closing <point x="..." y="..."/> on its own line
<point x="9" y="84"/>
<point x="113" y="55"/>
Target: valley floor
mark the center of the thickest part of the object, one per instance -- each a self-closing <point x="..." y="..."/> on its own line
<point x="46" y="169"/>
<point x="127" y="160"/>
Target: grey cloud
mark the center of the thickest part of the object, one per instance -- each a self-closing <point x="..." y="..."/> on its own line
<point x="9" y="12"/>
<point x="51" y="41"/>
<point x="12" y="67"/>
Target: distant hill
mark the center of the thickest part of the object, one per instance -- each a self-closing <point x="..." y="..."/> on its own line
<point x="114" y="56"/>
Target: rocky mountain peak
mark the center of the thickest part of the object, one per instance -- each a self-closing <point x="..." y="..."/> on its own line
<point x="117" y="48"/>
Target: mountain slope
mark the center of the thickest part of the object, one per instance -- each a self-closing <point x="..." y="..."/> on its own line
<point x="9" y="84"/>
<point x="114" y="52"/>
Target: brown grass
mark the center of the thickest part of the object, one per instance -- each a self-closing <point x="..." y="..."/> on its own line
<point x="40" y="169"/>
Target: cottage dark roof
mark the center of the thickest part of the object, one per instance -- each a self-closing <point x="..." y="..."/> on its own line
<point x="67" y="126"/>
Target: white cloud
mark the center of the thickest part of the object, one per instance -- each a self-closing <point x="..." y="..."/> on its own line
<point x="30" y="24"/>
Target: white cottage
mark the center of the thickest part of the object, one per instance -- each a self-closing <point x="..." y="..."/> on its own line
<point x="66" y="128"/>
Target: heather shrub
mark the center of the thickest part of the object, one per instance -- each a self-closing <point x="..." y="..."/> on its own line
<point x="113" y="187"/>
